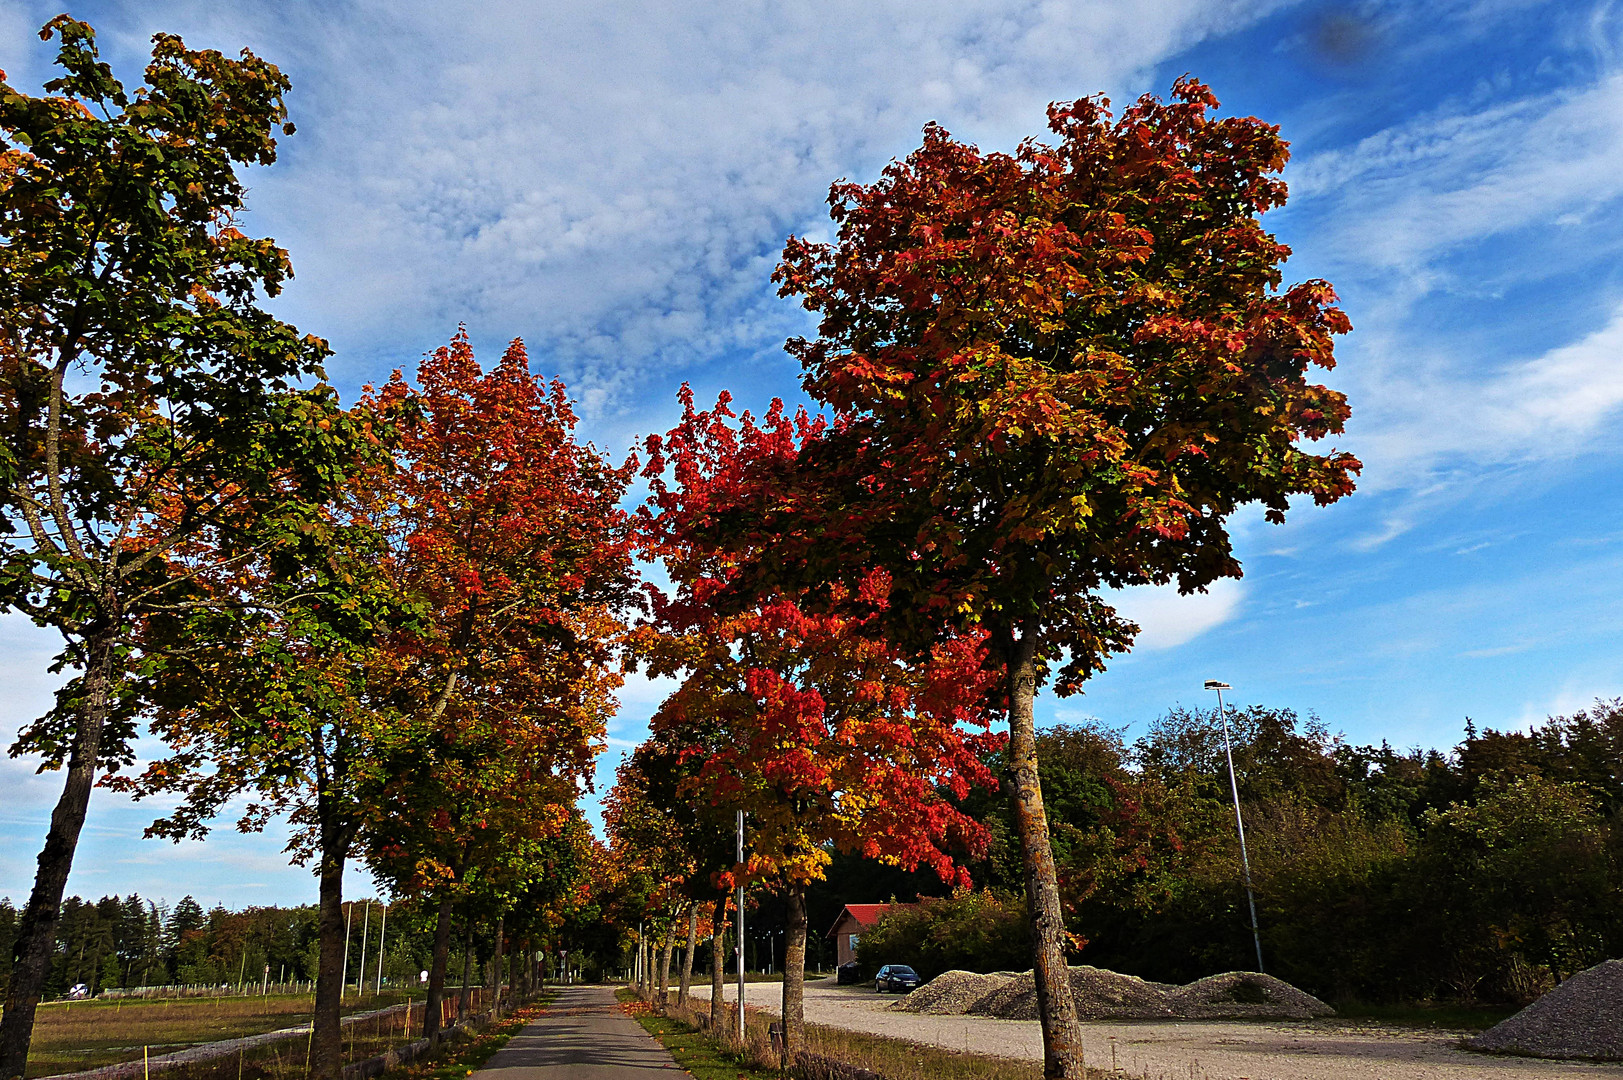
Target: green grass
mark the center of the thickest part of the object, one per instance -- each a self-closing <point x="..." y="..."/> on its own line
<point x="1448" y="1016"/>
<point x="694" y="1051"/>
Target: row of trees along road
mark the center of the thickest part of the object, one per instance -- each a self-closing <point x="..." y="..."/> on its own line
<point x="392" y="622"/>
<point x="1049" y="373"/>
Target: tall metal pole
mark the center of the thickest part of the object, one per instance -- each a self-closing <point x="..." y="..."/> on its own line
<point x="1239" y="821"/>
<point x="382" y="929"/>
<point x="741" y="927"/>
<point x="366" y="928"/>
<point x="343" y="972"/>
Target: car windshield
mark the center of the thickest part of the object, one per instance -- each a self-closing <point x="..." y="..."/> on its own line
<point x="902" y="969"/>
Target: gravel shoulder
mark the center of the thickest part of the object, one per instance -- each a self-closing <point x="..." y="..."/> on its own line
<point x="1179" y="1050"/>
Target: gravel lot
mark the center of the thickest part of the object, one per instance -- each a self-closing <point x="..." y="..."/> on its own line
<point x="1191" y="1050"/>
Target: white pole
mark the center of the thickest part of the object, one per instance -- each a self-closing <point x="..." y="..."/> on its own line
<point x="1239" y="824"/>
<point x="741" y="927"/>
<point x="343" y="972"/>
<point x="366" y="926"/>
<point x="383" y="926"/>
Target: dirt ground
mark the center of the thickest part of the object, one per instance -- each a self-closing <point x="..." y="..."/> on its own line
<point x="1191" y="1050"/>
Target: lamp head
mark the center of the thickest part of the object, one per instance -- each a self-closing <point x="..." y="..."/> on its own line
<point x="1213" y="684"/>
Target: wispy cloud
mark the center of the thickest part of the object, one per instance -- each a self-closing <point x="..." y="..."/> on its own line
<point x="1408" y="196"/>
<point x="615" y="182"/>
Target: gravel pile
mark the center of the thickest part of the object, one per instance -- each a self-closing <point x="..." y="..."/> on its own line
<point x="954" y="993"/>
<point x="1109" y="995"/>
<point x="1581" y="1018"/>
<point x="1245" y="995"/>
<point x="1100" y="995"/>
<point x="1014" y="999"/>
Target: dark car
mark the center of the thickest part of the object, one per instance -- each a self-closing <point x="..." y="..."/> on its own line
<point x="848" y="973"/>
<point x="896" y="977"/>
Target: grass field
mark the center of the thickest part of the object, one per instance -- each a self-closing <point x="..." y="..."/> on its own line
<point x="74" y="1035"/>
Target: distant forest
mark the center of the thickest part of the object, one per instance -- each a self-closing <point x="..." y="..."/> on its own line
<point x="129" y="941"/>
<point x="1486" y="873"/>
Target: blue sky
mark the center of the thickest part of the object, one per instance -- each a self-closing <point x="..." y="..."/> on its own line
<point x="613" y="181"/>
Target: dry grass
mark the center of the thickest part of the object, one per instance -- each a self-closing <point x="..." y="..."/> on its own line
<point x="894" y="1059"/>
<point x="898" y="1059"/>
<point x="70" y="1036"/>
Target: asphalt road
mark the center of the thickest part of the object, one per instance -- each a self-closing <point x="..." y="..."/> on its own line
<point x="582" y="1036"/>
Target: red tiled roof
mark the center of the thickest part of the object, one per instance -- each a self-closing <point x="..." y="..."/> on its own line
<point x="865" y="915"/>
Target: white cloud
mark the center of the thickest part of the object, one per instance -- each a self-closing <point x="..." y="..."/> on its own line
<point x="1408" y="196"/>
<point x="1167" y="619"/>
<point x="1454" y="416"/>
<point x="614" y="181"/>
<point x="1483" y="199"/>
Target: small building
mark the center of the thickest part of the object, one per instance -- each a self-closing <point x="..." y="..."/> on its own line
<point x="854" y="921"/>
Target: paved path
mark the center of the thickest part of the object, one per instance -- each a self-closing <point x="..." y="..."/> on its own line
<point x="583" y="1035"/>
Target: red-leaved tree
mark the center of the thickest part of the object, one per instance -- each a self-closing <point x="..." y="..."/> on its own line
<point x="508" y="533"/>
<point x="808" y="721"/>
<point x="1054" y="372"/>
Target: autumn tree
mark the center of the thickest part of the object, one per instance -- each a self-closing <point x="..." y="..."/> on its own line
<point x="145" y="397"/>
<point x="265" y="688"/>
<point x="471" y="822"/>
<point x="508" y="532"/>
<point x="1053" y="373"/>
<point x="808" y="721"/>
<point x="663" y="835"/>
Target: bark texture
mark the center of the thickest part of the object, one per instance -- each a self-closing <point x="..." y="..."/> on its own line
<point x="1056" y="1006"/>
<point x="496" y="963"/>
<point x="436" y="970"/>
<point x="718" y="924"/>
<point x="687" y="956"/>
<point x="326" y="1037"/>
<point x="794" y="973"/>
<point x="466" y="997"/>
<point x="36" y="930"/>
<point x="665" y="964"/>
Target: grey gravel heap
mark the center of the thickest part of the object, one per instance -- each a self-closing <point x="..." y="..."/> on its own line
<point x="1581" y="1018"/>
<point x="1109" y="995"/>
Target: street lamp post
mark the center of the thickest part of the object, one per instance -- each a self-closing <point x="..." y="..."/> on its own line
<point x="1239" y="821"/>
<point x="741" y="1036"/>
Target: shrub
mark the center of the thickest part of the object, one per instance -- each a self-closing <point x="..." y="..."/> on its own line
<point x="972" y="931"/>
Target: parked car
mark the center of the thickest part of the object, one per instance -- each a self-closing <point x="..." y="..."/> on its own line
<point x="896" y="977"/>
<point x="848" y="973"/>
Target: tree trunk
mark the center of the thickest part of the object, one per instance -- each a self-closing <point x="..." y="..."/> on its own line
<point x="464" y="1000"/>
<point x="436" y="970"/>
<point x="687" y="956"/>
<point x="35" y="938"/>
<point x="1056" y="1006"/>
<point x="326" y="1038"/>
<point x="794" y="973"/>
<point x="665" y="949"/>
<point x="496" y="963"/>
<point x="717" y="961"/>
